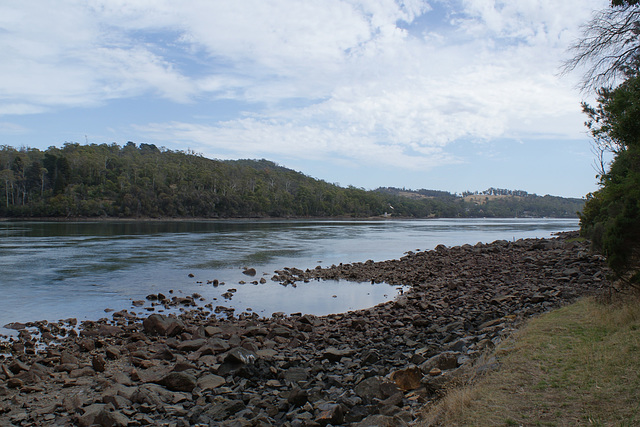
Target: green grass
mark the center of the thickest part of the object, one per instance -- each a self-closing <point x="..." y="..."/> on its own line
<point x="575" y="366"/>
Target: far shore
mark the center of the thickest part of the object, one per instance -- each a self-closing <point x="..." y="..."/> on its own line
<point x="296" y="218"/>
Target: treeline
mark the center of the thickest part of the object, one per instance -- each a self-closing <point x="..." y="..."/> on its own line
<point x="518" y="203"/>
<point x="135" y="181"/>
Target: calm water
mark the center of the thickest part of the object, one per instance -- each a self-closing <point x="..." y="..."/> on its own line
<point x="59" y="270"/>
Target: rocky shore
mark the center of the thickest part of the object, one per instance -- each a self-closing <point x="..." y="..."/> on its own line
<point x="373" y="367"/>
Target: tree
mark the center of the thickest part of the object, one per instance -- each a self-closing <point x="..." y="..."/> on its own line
<point x="610" y="46"/>
<point x="7" y="177"/>
<point x="611" y="216"/>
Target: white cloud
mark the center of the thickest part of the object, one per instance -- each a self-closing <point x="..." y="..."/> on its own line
<point x="8" y="128"/>
<point x="371" y="90"/>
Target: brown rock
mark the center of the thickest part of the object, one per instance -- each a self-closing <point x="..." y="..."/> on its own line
<point x="408" y="378"/>
<point x="112" y="353"/>
<point x="98" y="363"/>
<point x="15" y="382"/>
<point x="159" y="324"/>
<point x="82" y="372"/>
<point x="18" y="366"/>
<point x="87" y="344"/>
<point x="249" y="271"/>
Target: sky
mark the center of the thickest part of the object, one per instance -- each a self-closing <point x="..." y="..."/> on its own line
<point x="445" y="95"/>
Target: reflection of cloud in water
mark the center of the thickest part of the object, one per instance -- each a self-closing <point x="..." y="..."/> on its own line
<point x="311" y="298"/>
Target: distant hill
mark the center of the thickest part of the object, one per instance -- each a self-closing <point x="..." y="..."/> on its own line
<point x="498" y="202"/>
<point x="144" y="181"/>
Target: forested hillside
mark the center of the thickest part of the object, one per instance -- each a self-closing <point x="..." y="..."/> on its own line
<point x="134" y="181"/>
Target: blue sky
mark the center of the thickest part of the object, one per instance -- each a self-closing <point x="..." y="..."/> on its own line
<point x="446" y="95"/>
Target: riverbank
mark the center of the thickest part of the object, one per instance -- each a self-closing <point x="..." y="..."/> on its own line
<point x="572" y="366"/>
<point x="377" y="366"/>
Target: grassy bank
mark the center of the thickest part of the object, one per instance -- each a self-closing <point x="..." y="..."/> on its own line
<point x="579" y="365"/>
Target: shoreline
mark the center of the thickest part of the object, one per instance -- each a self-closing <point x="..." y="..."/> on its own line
<point x="301" y="218"/>
<point x="381" y="363"/>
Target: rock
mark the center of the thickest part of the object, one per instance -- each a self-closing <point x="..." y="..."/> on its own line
<point x="210" y="382"/>
<point x="109" y="331"/>
<point x="218" y="345"/>
<point x="147" y="394"/>
<point x="72" y="402"/>
<point x="334" y="355"/>
<point x="212" y="330"/>
<point x="221" y="409"/>
<point x="408" y="378"/>
<point x="112" y="353"/>
<point x="297" y="396"/>
<point x="87" y="345"/>
<point x="18" y="366"/>
<point x="443" y="361"/>
<point x="240" y="355"/>
<point x="375" y="388"/>
<point x="90" y="414"/>
<point x="109" y="418"/>
<point x="82" y="372"/>
<point x="178" y="381"/>
<point x="158" y="324"/>
<point x="98" y="363"/>
<point x="118" y="402"/>
<point x="192" y="345"/>
<point x="331" y="414"/>
<point x="296" y="374"/>
<point x="15" y="383"/>
<point x="249" y="271"/>
<point x="18" y="326"/>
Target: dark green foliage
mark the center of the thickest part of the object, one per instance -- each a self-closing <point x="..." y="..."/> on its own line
<point x="144" y="181"/>
<point x="616" y="3"/>
<point x="611" y="217"/>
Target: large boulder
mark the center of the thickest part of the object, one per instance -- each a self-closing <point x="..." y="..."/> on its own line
<point x="158" y="324"/>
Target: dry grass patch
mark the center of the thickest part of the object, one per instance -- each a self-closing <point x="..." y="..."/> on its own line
<point x="579" y="365"/>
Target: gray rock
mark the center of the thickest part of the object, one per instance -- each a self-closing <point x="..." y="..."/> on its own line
<point x="331" y="413"/>
<point x="296" y="374"/>
<point x="210" y="382"/>
<point x="179" y="381"/>
<point x="297" y="396"/>
<point x="192" y="345"/>
<point x="221" y="409"/>
<point x="334" y="355"/>
<point x="109" y="418"/>
<point x="375" y="388"/>
<point x="240" y="355"/>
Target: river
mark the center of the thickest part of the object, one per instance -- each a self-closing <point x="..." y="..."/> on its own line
<point x="57" y="270"/>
